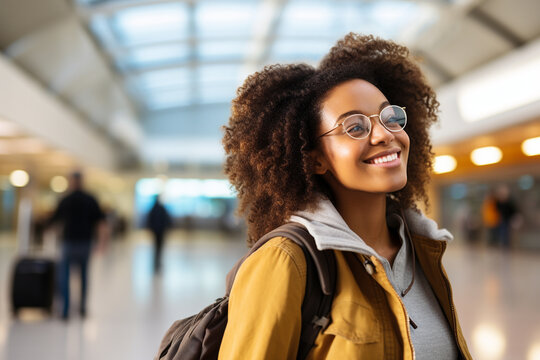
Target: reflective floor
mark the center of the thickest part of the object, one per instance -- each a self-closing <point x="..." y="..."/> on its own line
<point x="496" y="294"/>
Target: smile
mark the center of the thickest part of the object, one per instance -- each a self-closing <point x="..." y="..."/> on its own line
<point x="387" y="160"/>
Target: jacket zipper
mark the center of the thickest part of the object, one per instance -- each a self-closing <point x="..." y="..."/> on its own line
<point x="407" y="323"/>
<point x="408" y="320"/>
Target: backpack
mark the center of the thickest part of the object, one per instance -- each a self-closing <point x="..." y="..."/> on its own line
<point x="199" y="336"/>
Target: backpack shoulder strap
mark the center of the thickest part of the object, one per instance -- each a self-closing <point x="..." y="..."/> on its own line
<point x="320" y="286"/>
<point x="320" y="281"/>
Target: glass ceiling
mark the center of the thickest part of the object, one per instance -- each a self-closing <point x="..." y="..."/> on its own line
<point x="172" y="54"/>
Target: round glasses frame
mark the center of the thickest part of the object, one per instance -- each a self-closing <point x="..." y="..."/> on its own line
<point x="370" y="127"/>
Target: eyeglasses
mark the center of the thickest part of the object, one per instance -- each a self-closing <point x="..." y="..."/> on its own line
<point x="358" y="126"/>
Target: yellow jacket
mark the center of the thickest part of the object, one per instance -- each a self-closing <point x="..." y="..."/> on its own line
<point x="368" y="318"/>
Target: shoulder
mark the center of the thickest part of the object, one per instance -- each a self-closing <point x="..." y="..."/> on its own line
<point x="90" y="198"/>
<point x="285" y="245"/>
<point x="88" y="195"/>
<point x="264" y="317"/>
<point x="280" y="258"/>
<point x="281" y="249"/>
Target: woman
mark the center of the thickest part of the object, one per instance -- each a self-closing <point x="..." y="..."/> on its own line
<point x="340" y="149"/>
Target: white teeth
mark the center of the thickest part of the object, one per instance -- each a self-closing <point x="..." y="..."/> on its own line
<point x="385" y="159"/>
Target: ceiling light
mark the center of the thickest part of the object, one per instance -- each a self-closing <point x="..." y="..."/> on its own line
<point x="534" y="352"/>
<point x="59" y="184"/>
<point x="500" y="91"/>
<point x="444" y="164"/>
<point x="531" y="147"/>
<point x="486" y="155"/>
<point x="489" y="341"/>
<point x="19" y="178"/>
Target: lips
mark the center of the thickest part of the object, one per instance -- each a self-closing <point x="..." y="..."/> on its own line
<point x="384" y="157"/>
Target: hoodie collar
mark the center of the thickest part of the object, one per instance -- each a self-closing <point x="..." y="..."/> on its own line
<point x="330" y="231"/>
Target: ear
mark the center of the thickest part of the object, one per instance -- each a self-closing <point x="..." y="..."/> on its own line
<point x="319" y="160"/>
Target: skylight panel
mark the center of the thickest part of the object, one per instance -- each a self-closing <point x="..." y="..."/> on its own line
<point x="306" y="18"/>
<point x="219" y="19"/>
<point x="222" y="50"/>
<point x="217" y="92"/>
<point x="153" y="54"/>
<point x="165" y="78"/>
<point x="218" y="83"/>
<point x="220" y="73"/>
<point x="401" y="21"/>
<point x="149" y="56"/>
<point x="159" y="100"/>
<point x="161" y="22"/>
<point x="391" y="16"/>
<point x="299" y="49"/>
<point x="397" y="20"/>
<point x="101" y="28"/>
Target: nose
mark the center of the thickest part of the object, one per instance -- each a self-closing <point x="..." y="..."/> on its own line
<point x="379" y="134"/>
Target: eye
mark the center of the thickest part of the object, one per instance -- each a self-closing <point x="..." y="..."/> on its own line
<point x="394" y="119"/>
<point x="356" y="127"/>
<point x="393" y="122"/>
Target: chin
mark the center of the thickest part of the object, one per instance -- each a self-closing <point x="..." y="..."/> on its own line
<point x="396" y="186"/>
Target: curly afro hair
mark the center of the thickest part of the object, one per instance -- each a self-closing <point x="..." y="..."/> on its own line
<point x="275" y="119"/>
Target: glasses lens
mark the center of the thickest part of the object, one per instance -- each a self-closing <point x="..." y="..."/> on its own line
<point x="394" y="118"/>
<point x="357" y="126"/>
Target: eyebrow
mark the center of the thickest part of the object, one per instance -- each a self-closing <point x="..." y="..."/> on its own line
<point x="355" y="112"/>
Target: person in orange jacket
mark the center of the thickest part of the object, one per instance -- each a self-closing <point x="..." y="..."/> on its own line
<point x="491" y="217"/>
<point x="344" y="150"/>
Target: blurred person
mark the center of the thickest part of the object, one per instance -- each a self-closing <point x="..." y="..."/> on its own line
<point x="80" y="217"/>
<point x="158" y="221"/>
<point x="327" y="147"/>
<point x="491" y="217"/>
<point x="507" y="211"/>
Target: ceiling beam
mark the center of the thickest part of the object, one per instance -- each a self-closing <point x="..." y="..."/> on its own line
<point x="262" y="40"/>
<point x="49" y="119"/>
<point x="192" y="64"/>
<point x="441" y="72"/>
<point x="496" y="27"/>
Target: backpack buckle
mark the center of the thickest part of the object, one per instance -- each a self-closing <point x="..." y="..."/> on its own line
<point x="321" y="321"/>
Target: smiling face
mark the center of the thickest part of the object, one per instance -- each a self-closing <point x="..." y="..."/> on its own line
<point x="375" y="164"/>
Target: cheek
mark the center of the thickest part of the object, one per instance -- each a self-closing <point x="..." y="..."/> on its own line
<point x="404" y="139"/>
<point x="338" y="152"/>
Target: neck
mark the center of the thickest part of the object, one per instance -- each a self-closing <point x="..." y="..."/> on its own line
<point x="365" y="214"/>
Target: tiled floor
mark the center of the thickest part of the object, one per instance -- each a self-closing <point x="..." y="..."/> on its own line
<point x="496" y="294"/>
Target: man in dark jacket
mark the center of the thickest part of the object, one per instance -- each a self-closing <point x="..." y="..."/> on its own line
<point x="80" y="217"/>
<point x="158" y="221"/>
<point x="507" y="210"/>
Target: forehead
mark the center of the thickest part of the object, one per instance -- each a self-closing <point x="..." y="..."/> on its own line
<point x="356" y="94"/>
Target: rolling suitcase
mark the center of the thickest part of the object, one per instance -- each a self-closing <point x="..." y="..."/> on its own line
<point x="33" y="284"/>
